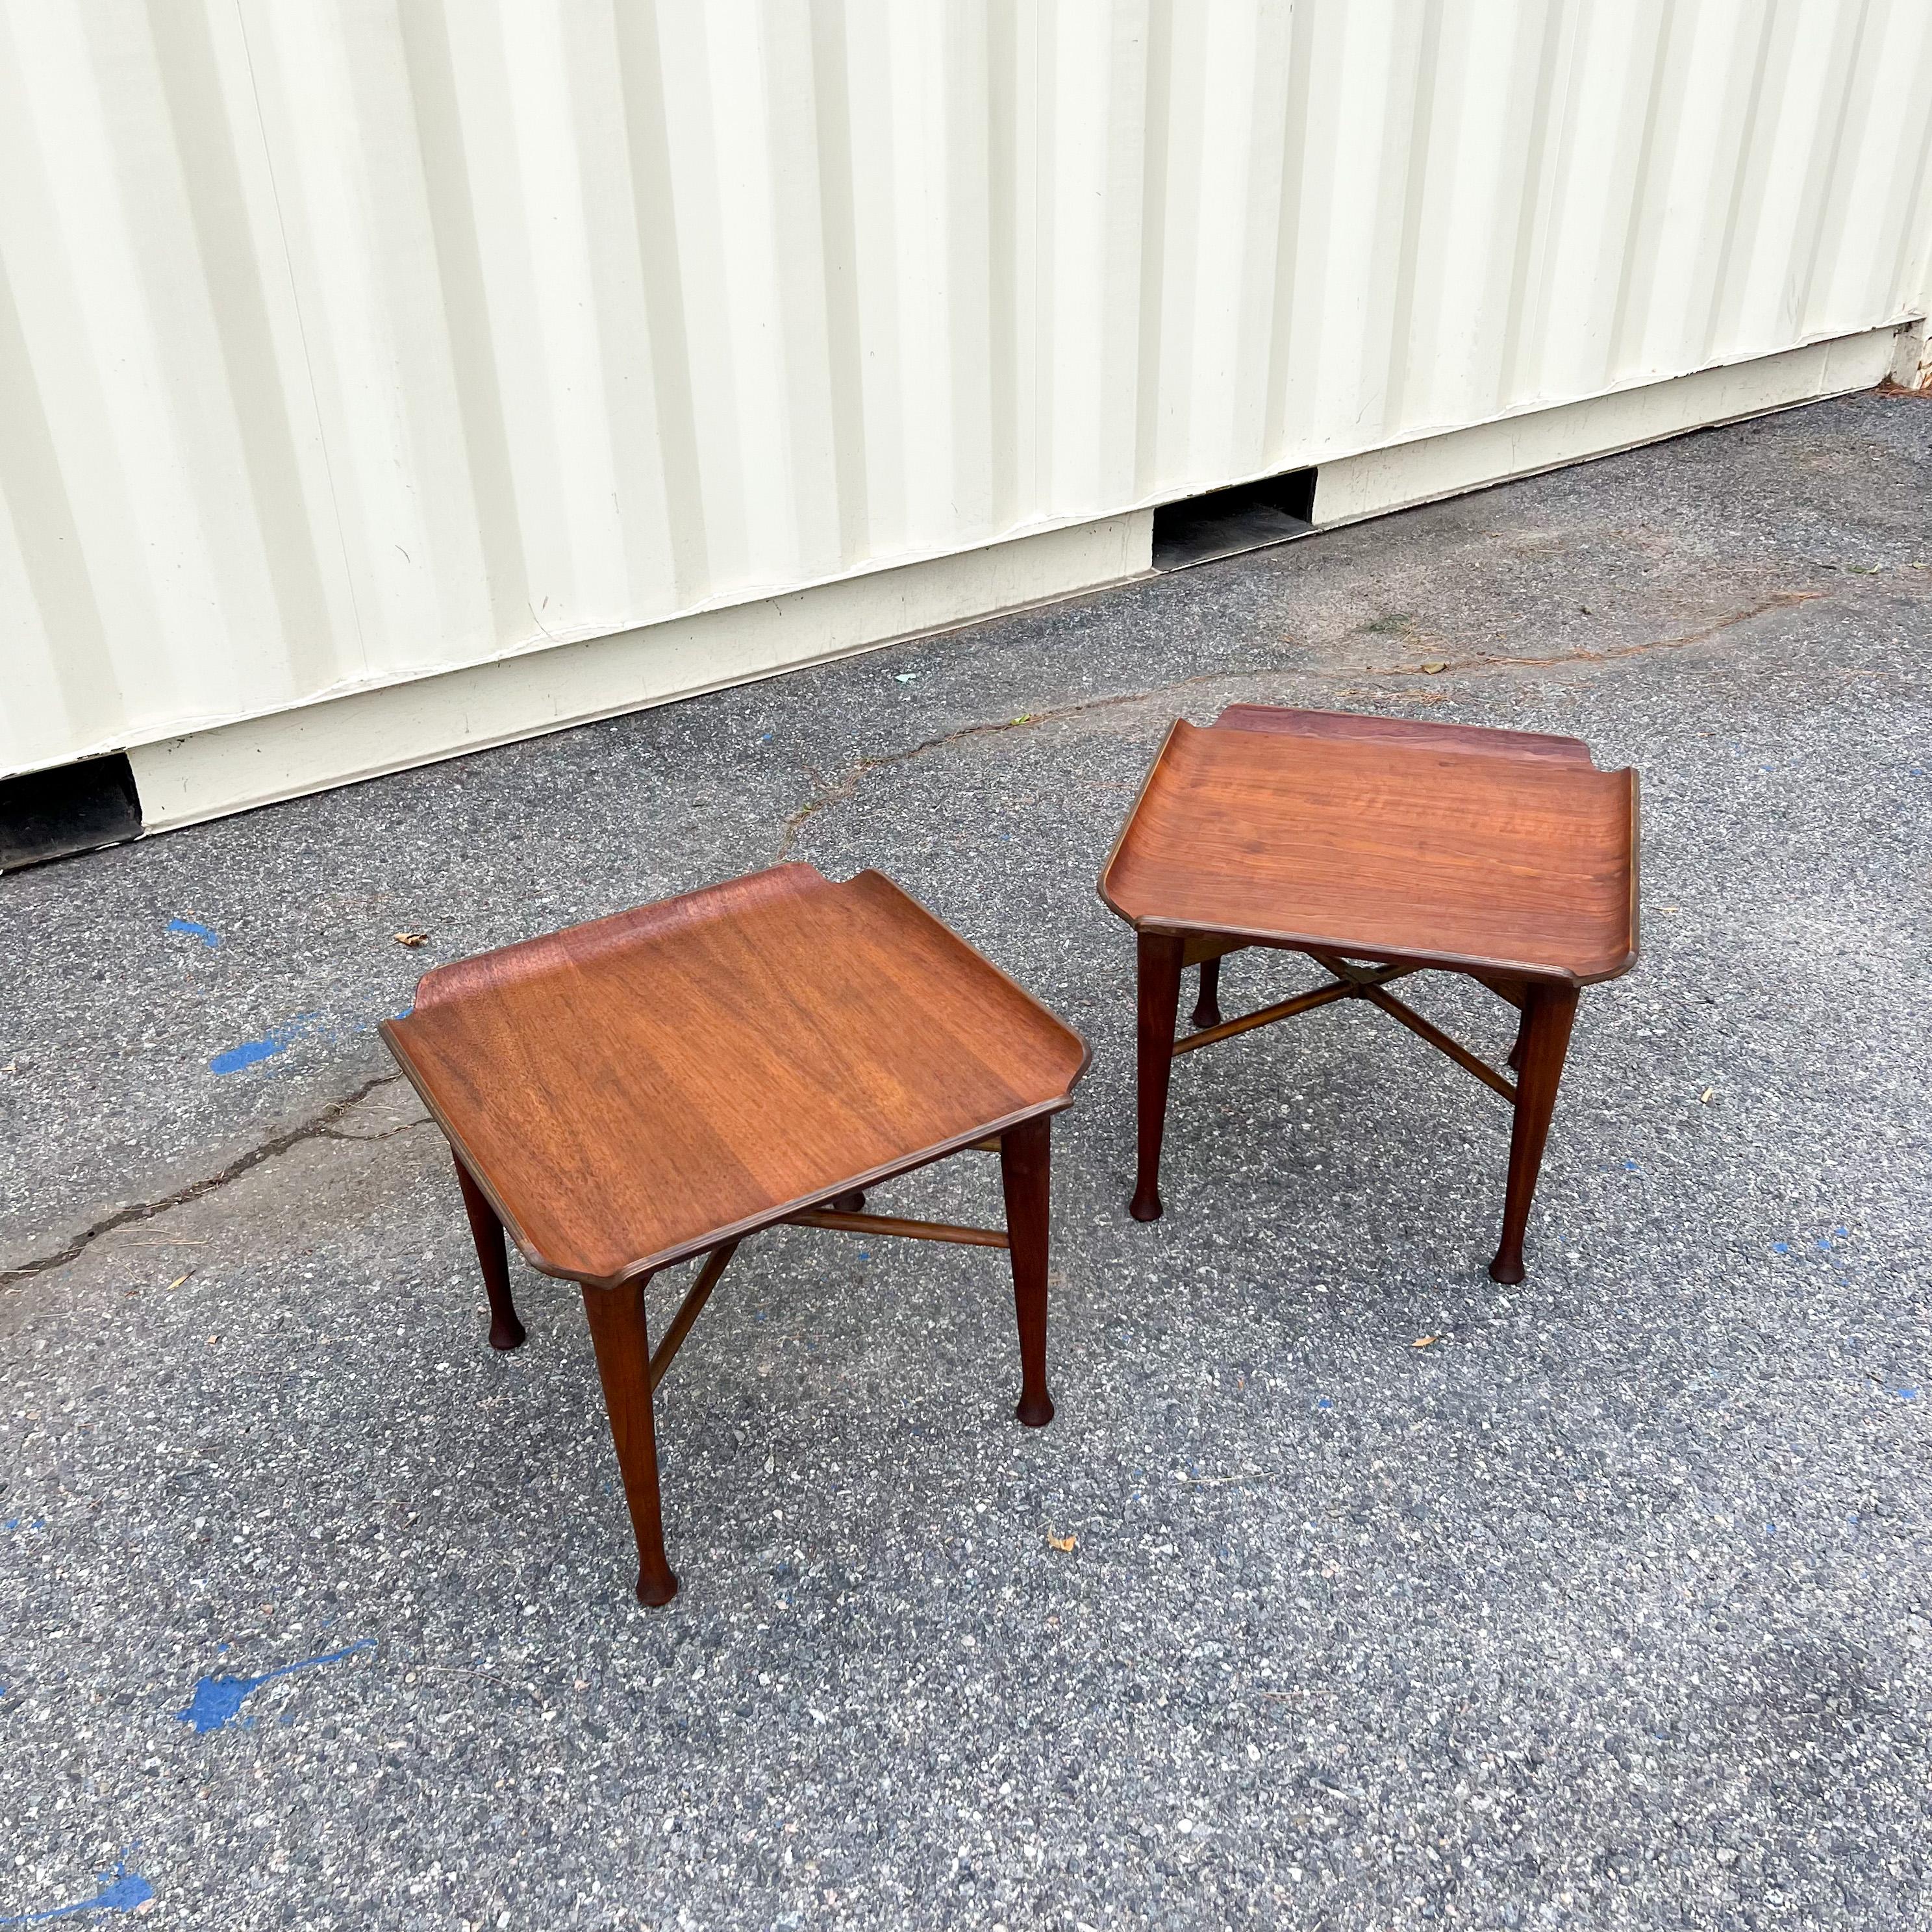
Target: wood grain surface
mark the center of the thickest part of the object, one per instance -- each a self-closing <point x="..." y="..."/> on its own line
<point x="1429" y="845"/>
<point x="634" y="1090"/>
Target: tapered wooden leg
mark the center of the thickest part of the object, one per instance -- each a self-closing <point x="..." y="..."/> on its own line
<point x="618" y="1333"/>
<point x="1208" y="1005"/>
<point x="1547" y="1015"/>
<point x="1025" y="1173"/>
<point x="505" y="1331"/>
<point x="1159" y="1001"/>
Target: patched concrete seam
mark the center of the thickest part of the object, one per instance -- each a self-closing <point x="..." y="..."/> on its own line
<point x="1778" y="600"/>
<point x="842" y="790"/>
<point x="839" y="792"/>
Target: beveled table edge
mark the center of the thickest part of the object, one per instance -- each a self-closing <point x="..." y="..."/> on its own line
<point x="647" y="1265"/>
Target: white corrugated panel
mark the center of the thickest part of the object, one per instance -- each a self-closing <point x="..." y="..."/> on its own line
<point x="341" y="342"/>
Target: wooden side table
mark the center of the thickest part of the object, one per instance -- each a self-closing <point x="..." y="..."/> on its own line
<point x="1380" y="847"/>
<point x="629" y="1094"/>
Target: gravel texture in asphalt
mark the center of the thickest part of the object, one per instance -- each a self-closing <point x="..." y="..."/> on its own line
<point x="1346" y="1590"/>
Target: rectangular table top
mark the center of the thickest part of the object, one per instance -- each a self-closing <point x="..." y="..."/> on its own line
<point x="1423" y="843"/>
<point x="633" y="1090"/>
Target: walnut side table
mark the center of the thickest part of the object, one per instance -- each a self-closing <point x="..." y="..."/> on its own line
<point x="657" y="1086"/>
<point x="1380" y="847"/>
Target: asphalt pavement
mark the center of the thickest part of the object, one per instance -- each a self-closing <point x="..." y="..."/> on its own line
<point x="1346" y="1590"/>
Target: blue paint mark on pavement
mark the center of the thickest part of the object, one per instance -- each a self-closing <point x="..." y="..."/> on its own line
<point x="120" y="1891"/>
<point x="252" y="1052"/>
<point x="195" y="929"/>
<point x="248" y="1054"/>
<point x="217" y="1700"/>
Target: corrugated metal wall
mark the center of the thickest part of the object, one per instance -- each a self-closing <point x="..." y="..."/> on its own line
<point x="343" y="340"/>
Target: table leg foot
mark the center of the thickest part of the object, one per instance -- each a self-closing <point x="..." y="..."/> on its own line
<point x="1522" y="1044"/>
<point x="1208" y="1005"/>
<point x="655" y="1592"/>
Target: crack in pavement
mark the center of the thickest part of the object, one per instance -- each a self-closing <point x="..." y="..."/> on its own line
<point x="321" y="1126"/>
<point x="844" y="789"/>
<point x="1777" y="600"/>
<point x="370" y="1140"/>
<point x="829" y="795"/>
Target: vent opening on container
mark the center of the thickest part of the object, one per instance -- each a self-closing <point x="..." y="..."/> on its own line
<point x="77" y="808"/>
<point x="1224" y="522"/>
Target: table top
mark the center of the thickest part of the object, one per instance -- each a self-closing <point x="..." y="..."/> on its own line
<point x="1503" y="852"/>
<point x="634" y="1090"/>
